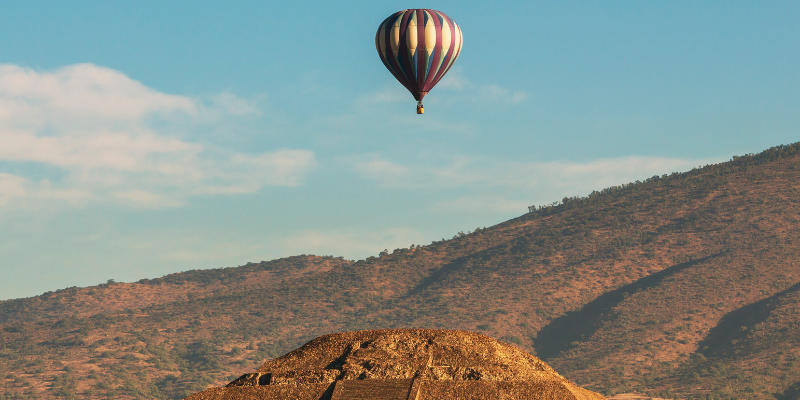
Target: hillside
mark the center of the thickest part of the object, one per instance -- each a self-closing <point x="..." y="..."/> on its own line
<point x="684" y="285"/>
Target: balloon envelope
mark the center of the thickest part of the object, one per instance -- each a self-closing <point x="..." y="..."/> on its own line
<point x="418" y="47"/>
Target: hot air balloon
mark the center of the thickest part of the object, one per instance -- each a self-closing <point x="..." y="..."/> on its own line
<point x="418" y="46"/>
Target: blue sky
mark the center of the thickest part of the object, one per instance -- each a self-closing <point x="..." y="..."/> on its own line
<point x="143" y="138"/>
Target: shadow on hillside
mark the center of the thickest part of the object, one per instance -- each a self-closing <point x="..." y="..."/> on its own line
<point x="438" y="275"/>
<point x="735" y="325"/>
<point x="576" y="326"/>
<point x="450" y="268"/>
<point x="791" y="393"/>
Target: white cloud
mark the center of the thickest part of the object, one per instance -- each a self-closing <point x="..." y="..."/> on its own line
<point x="596" y="174"/>
<point x="461" y="171"/>
<point x="396" y="93"/>
<point x="144" y="199"/>
<point x="455" y="80"/>
<point x="512" y="185"/>
<point x="518" y="97"/>
<point x="114" y="139"/>
<point x="79" y="93"/>
<point x="283" y="167"/>
<point x="232" y="105"/>
<point x="11" y="186"/>
<point x="126" y="150"/>
<point x="388" y="173"/>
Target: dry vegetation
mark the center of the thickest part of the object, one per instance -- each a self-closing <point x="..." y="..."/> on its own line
<point x="684" y="285"/>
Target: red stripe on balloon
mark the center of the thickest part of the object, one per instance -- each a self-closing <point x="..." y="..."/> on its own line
<point x="450" y="50"/>
<point x="396" y="69"/>
<point x="420" y="48"/>
<point x="405" y="57"/>
<point x="437" y="52"/>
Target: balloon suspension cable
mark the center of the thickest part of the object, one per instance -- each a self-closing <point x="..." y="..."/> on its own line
<point x="420" y="107"/>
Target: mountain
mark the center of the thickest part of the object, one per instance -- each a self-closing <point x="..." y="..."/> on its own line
<point x="683" y="285"/>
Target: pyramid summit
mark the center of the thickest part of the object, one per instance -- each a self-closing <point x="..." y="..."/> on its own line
<point x="402" y="364"/>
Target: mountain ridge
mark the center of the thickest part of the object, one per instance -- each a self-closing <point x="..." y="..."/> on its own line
<point x="655" y="274"/>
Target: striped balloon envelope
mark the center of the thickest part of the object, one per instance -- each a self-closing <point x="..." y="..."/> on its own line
<point x="418" y="46"/>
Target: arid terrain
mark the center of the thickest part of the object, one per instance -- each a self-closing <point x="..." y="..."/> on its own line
<point x="681" y="286"/>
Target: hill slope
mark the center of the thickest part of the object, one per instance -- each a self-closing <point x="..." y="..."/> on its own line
<point x="683" y="285"/>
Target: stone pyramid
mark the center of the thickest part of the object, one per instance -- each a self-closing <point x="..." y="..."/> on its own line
<point x="402" y="364"/>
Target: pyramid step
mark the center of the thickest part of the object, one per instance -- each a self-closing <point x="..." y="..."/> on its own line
<point x="370" y="389"/>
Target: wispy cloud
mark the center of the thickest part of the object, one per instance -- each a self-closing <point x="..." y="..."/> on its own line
<point x="512" y="184"/>
<point x="374" y="167"/>
<point x="115" y="139"/>
<point x="457" y="81"/>
<point x="10" y="187"/>
<point x="395" y="94"/>
<point x="497" y="93"/>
